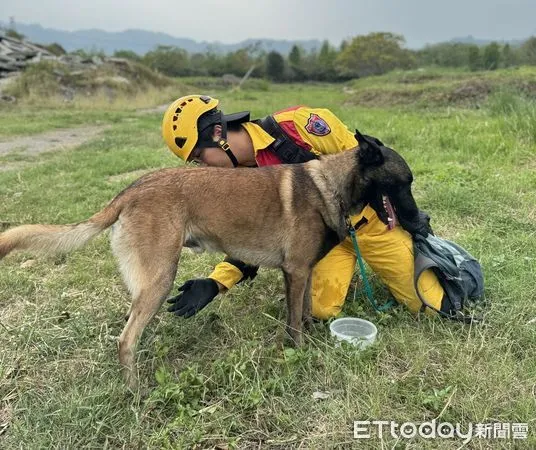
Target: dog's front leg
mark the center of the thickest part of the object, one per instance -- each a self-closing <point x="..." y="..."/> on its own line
<point x="295" y="282"/>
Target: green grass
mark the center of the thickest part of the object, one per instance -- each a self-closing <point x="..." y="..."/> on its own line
<point x="30" y="119"/>
<point x="433" y="88"/>
<point x="221" y="378"/>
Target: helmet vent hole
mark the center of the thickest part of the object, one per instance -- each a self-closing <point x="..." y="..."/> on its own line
<point x="180" y="141"/>
<point x="178" y="111"/>
<point x="174" y="127"/>
<point x="183" y="104"/>
<point x="175" y="118"/>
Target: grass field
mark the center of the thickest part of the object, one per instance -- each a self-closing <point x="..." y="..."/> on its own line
<point x="220" y="379"/>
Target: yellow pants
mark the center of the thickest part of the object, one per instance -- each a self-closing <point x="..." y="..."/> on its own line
<point x="390" y="255"/>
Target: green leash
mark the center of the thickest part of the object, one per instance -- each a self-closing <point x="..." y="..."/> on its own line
<point x="391" y="303"/>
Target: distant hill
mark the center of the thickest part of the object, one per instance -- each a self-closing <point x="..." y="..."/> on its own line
<point x="141" y="41"/>
<point x="472" y="40"/>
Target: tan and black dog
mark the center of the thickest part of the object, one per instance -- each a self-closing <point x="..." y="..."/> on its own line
<point x="286" y="216"/>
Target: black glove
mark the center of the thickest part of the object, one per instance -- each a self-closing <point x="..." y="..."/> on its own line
<point x="195" y="295"/>
<point x="426" y="228"/>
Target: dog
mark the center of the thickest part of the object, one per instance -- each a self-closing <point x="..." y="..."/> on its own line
<point x="285" y="216"/>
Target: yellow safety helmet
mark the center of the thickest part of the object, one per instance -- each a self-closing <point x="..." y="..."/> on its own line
<point x="179" y="126"/>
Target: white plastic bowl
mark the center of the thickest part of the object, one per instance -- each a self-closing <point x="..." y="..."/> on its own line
<point x="358" y="332"/>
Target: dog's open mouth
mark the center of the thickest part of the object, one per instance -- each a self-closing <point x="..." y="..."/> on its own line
<point x="384" y="209"/>
<point x="390" y="211"/>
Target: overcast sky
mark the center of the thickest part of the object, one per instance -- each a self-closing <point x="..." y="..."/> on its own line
<point x="230" y="21"/>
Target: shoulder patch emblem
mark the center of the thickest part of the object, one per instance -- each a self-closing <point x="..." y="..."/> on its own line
<point x="317" y="126"/>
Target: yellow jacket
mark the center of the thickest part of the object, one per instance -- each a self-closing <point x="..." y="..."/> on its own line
<point x="315" y="129"/>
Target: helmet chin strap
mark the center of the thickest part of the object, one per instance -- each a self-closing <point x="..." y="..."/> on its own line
<point x="213" y="119"/>
<point x="224" y="145"/>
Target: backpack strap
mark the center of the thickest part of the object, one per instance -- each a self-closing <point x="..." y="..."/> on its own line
<point x="284" y="147"/>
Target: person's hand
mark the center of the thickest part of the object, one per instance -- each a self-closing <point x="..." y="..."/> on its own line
<point x="194" y="296"/>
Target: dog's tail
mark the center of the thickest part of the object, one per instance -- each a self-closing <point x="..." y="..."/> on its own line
<point x="58" y="238"/>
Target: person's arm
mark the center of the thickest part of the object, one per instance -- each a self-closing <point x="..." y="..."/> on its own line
<point x="197" y="293"/>
<point x="227" y="273"/>
<point x="322" y="130"/>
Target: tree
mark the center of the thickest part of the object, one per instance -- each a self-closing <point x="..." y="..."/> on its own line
<point x="295" y="56"/>
<point x="295" y="62"/>
<point x="374" y="54"/>
<point x="326" y="62"/>
<point x="127" y="54"/>
<point x="508" y="56"/>
<point x="275" y="66"/>
<point x="447" y="54"/>
<point x="87" y="54"/>
<point x="474" y="59"/>
<point x="171" y="61"/>
<point x="528" y="51"/>
<point x="55" y="48"/>
<point x="214" y="62"/>
<point x="492" y="56"/>
<point x="199" y="64"/>
<point x="239" y="62"/>
<point x="324" y="56"/>
<point x="12" y="32"/>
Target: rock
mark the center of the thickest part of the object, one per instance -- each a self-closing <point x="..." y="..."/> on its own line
<point x="319" y="395"/>
<point x="15" y="55"/>
<point x="7" y="98"/>
<point x="230" y="79"/>
<point x="28" y="263"/>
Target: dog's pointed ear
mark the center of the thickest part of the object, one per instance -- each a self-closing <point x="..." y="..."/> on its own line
<point x="370" y="153"/>
<point x="358" y="136"/>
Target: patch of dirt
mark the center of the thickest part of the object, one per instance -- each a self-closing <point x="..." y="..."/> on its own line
<point x="528" y="163"/>
<point x="411" y="78"/>
<point x="62" y="139"/>
<point x="51" y="140"/>
<point x="156" y="109"/>
<point x="476" y="90"/>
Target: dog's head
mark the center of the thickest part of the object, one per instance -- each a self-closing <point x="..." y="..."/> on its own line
<point x="387" y="173"/>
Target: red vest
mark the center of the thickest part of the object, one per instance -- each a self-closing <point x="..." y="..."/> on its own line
<point x="267" y="157"/>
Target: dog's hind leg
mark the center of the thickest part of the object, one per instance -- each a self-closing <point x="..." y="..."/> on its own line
<point x="144" y="308"/>
<point x="307" y="317"/>
<point x="148" y="271"/>
<point x="295" y="282"/>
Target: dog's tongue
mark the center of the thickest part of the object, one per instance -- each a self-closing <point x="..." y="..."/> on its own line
<point x="391" y="216"/>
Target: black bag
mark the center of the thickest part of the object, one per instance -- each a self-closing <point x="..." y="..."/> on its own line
<point x="458" y="272"/>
